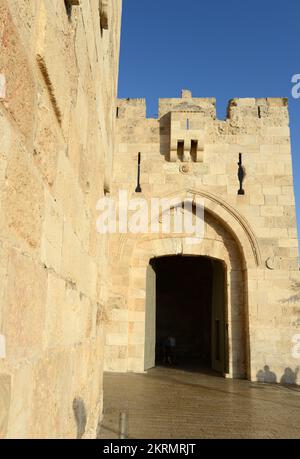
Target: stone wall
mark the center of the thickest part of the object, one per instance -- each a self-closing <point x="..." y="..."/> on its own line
<point x="261" y="222"/>
<point x="67" y="292"/>
<point x="59" y="69"/>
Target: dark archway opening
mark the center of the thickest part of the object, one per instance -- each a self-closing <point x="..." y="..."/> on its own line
<point x="190" y="312"/>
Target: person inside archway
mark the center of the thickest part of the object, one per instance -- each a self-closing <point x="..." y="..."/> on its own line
<point x="169" y="346"/>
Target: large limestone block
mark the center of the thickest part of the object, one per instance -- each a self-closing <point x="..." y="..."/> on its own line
<point x="4" y="253"/>
<point x="6" y="136"/>
<point x="94" y="386"/>
<point x="52" y="394"/>
<point x="20" y="88"/>
<point x="88" y="276"/>
<point x="5" y="396"/>
<point x="48" y="140"/>
<point x="69" y="194"/>
<point x="271" y="211"/>
<point x="77" y="266"/>
<point x="24" y="318"/>
<point x="74" y="145"/>
<point x="81" y="112"/>
<point x="69" y="316"/>
<point x="80" y="51"/>
<point x="25" y="21"/>
<point x="55" y="55"/>
<point x="71" y="255"/>
<point x="87" y="386"/>
<point x="22" y="199"/>
<point x="21" y="400"/>
<point x="89" y="34"/>
<point x="52" y="234"/>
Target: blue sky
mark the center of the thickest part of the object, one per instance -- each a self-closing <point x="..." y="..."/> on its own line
<point x="216" y="48"/>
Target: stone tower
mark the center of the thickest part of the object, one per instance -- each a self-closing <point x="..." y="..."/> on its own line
<point x="250" y="228"/>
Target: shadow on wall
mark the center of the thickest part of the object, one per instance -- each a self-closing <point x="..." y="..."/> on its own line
<point x="267" y="376"/>
<point x="68" y="7"/>
<point x="296" y="297"/>
<point x="80" y="416"/>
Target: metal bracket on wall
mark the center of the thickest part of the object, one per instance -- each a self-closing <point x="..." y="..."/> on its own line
<point x="241" y="175"/>
<point x="138" y="188"/>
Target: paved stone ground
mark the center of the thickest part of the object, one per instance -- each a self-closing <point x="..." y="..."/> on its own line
<point x="171" y="403"/>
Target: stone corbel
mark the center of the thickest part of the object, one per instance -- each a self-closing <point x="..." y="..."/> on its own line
<point x="173" y="150"/>
<point x="198" y="153"/>
<point x="186" y="154"/>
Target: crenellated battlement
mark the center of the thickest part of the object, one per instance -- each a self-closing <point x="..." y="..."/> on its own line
<point x="270" y="109"/>
<point x="239" y="110"/>
<point x="186" y="126"/>
<point x="131" y="108"/>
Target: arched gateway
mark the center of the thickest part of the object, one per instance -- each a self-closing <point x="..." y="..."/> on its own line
<point x="229" y="299"/>
<point x="214" y="268"/>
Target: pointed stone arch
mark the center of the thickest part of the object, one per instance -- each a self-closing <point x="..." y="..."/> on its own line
<point x="228" y="216"/>
<point x="240" y="255"/>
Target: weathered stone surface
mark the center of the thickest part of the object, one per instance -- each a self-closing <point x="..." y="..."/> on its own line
<point x="22" y="199"/>
<point x="67" y="293"/>
<point x="52" y="233"/>
<point x="57" y="116"/>
<point x="51" y="394"/>
<point x="48" y="139"/>
<point x="20" y="96"/>
<point x="24" y="318"/>
<point x="5" y="394"/>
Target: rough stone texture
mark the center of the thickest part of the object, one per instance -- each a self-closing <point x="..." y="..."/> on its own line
<point x="254" y="234"/>
<point x="57" y="116"/>
<point x="5" y="385"/>
<point x="67" y="292"/>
